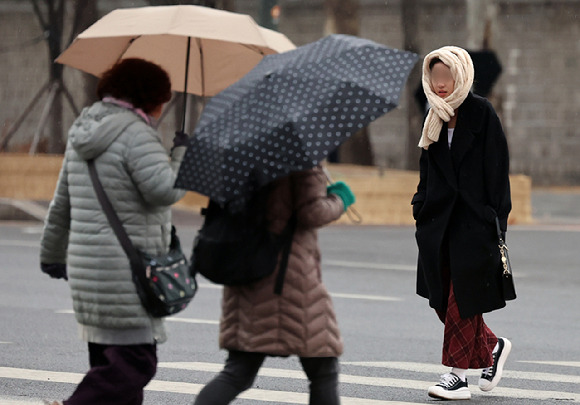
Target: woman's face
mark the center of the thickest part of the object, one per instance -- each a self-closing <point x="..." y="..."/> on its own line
<point x="442" y="81"/>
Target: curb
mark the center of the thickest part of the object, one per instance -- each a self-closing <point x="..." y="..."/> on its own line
<point x="21" y="210"/>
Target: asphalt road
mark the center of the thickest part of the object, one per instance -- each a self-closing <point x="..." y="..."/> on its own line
<point x="392" y="339"/>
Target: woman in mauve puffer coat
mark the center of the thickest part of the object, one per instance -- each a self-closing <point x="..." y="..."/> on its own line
<point x="256" y="322"/>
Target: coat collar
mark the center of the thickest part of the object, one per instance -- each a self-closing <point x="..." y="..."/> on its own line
<point x="469" y="122"/>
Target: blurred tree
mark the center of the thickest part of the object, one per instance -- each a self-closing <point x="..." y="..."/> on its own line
<point x="342" y="17"/>
<point x="85" y="14"/>
<point x="409" y="13"/>
<point x="50" y="15"/>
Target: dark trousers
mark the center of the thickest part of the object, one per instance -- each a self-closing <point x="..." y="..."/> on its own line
<point x="241" y="369"/>
<point x="117" y="376"/>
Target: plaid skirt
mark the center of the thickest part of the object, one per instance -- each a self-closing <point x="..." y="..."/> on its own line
<point x="467" y="343"/>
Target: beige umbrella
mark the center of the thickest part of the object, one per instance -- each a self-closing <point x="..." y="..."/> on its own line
<point x="204" y="50"/>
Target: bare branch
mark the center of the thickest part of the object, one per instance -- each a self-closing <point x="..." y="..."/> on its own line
<point x="38" y="13"/>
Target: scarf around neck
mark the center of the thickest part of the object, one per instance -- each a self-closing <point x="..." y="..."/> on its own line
<point x="129" y="106"/>
<point x="442" y="109"/>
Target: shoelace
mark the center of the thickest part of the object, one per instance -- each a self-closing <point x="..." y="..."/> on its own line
<point x="448" y="380"/>
<point x="486" y="372"/>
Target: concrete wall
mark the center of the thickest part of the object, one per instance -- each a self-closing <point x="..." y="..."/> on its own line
<point x="537" y="96"/>
<point x="383" y="197"/>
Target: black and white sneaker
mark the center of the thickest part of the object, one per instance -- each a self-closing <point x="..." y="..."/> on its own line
<point x="490" y="376"/>
<point x="450" y="387"/>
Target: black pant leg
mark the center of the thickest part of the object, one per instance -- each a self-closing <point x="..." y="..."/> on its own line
<point x="117" y="376"/>
<point x="322" y="372"/>
<point x="237" y="376"/>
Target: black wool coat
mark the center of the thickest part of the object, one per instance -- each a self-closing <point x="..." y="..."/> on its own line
<point x="460" y="192"/>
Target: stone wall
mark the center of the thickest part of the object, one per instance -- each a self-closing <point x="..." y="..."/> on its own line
<point x="537" y="96"/>
<point x="383" y="197"/>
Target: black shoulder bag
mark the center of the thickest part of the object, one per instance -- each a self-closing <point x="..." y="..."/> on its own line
<point x="238" y="249"/>
<point x="164" y="283"/>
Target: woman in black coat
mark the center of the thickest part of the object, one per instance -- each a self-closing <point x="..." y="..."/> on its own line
<point x="463" y="187"/>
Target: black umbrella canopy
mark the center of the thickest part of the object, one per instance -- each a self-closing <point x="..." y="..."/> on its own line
<point x="289" y="113"/>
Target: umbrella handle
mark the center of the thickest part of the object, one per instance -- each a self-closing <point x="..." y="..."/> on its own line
<point x="327" y="174"/>
<point x="354" y="215"/>
<point x="351" y="212"/>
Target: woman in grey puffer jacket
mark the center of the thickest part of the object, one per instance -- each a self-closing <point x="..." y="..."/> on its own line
<point x="79" y="244"/>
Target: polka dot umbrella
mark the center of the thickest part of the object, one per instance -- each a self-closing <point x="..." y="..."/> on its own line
<point x="289" y="112"/>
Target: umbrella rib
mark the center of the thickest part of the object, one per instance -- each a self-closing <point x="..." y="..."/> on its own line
<point x="129" y="45"/>
<point x="254" y="48"/>
<point x="201" y="63"/>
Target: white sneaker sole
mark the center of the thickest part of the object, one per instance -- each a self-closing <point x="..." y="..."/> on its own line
<point x="486" y="385"/>
<point x="441" y="393"/>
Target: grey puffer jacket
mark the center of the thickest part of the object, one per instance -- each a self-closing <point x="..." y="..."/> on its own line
<point x="138" y="177"/>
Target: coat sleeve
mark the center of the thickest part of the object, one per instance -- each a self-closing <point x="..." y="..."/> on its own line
<point x="420" y="195"/>
<point x="496" y="169"/>
<point x="314" y="207"/>
<point x="151" y="170"/>
<point x="54" y="241"/>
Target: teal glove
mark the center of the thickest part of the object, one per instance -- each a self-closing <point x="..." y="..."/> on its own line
<point x="343" y="191"/>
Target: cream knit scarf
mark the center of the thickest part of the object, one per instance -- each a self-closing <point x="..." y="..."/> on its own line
<point x="442" y="109"/>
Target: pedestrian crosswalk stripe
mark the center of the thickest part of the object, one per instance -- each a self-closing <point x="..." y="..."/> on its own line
<point x="438" y="369"/>
<point x="20" y="401"/>
<point x="19" y="243"/>
<point x="191" y="320"/>
<point x="286" y="397"/>
<point x="389" y="382"/>
<point x="371" y="266"/>
<point x="293" y="397"/>
<point x="364" y="297"/>
<point x="555" y="363"/>
<point x="332" y="294"/>
<point x="170" y="319"/>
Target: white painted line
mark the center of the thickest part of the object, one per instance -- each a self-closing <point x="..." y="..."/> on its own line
<point x="40" y="375"/>
<point x="19" y="243"/>
<point x="5" y="343"/>
<point x="192" y="320"/>
<point x="20" y="401"/>
<point x="209" y="286"/>
<point x="439" y="369"/>
<point x="554" y="363"/>
<point x="388" y="382"/>
<point x="334" y="295"/>
<point x="169" y="318"/>
<point x="364" y="297"/>
<point x="366" y="265"/>
<point x="33" y="230"/>
<point x="186" y="388"/>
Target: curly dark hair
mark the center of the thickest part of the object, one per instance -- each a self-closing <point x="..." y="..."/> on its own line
<point x="144" y="84"/>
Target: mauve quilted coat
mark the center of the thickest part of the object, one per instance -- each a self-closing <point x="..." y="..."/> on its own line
<point x="301" y="321"/>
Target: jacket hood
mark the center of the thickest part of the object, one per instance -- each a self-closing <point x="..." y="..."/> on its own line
<point x="97" y="127"/>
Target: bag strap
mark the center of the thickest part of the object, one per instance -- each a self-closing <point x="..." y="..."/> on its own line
<point x="288" y="237"/>
<point x="115" y="222"/>
<point x="498" y="229"/>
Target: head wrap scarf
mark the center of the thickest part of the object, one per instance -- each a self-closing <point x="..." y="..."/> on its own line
<point x="442" y="109"/>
